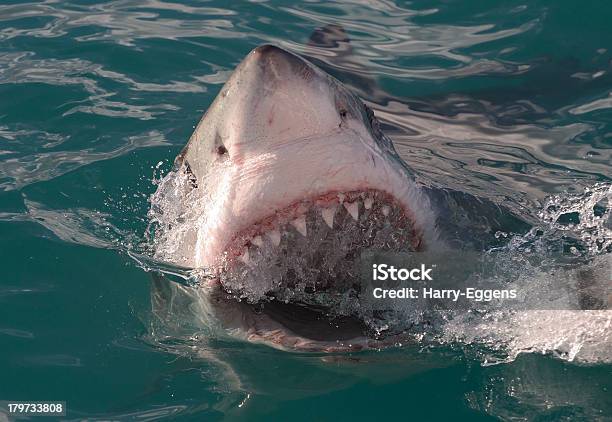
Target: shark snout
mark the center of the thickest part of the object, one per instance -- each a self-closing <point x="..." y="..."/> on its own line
<point x="276" y="65"/>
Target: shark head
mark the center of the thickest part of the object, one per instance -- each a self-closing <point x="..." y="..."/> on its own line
<point x="298" y="180"/>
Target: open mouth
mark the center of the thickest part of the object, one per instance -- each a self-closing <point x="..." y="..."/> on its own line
<point x="301" y="266"/>
<point x="376" y="215"/>
<point x="314" y="323"/>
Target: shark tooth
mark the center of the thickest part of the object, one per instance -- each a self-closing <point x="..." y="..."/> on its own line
<point x="341" y="197"/>
<point x="257" y="240"/>
<point x="328" y="216"/>
<point x="353" y="209"/>
<point x="245" y="258"/>
<point x="275" y="237"/>
<point x="385" y="210"/>
<point x="367" y="203"/>
<point x="300" y="225"/>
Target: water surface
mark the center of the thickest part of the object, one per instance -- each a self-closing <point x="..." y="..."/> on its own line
<point x="507" y="104"/>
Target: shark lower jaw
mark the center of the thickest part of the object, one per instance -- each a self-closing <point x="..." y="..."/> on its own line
<point x="303" y="328"/>
<point x="295" y="326"/>
<point x="299" y="269"/>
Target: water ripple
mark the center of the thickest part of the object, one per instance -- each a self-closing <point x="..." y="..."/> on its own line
<point x="21" y="171"/>
<point x="122" y="22"/>
<point x="506" y="102"/>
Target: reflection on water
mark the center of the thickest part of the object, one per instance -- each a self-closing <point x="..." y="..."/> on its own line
<point x="505" y="106"/>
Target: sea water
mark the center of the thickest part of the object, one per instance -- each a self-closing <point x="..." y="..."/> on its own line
<point x="503" y="112"/>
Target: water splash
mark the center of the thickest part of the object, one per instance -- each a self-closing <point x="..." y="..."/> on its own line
<point x="542" y="263"/>
<point x="560" y="265"/>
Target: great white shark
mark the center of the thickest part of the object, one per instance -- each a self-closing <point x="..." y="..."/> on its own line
<point x="284" y="138"/>
<point x="298" y="181"/>
<point x="286" y="181"/>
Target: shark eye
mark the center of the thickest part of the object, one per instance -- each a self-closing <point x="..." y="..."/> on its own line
<point x="221" y="150"/>
<point x="343" y="113"/>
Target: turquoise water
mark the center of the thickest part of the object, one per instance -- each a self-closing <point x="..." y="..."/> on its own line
<point x="503" y="105"/>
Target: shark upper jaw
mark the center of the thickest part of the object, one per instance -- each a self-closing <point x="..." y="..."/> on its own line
<point x="259" y="198"/>
<point x="331" y="211"/>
